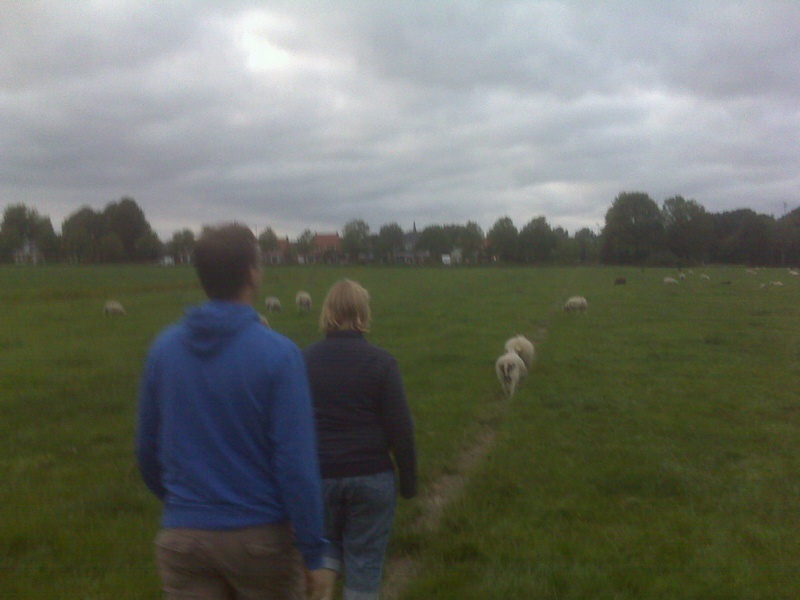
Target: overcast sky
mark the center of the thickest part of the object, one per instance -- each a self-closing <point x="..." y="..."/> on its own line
<point x="306" y="114"/>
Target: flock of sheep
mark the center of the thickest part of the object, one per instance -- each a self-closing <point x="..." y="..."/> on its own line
<point x="512" y="366"/>
<point x="705" y="277"/>
<point x="272" y="304"/>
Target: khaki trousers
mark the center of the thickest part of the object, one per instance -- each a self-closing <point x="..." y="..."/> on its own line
<point x="253" y="563"/>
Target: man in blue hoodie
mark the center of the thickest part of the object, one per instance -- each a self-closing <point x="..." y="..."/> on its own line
<point x="226" y="440"/>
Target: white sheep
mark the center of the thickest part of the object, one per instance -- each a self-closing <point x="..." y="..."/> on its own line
<point x="682" y="276"/>
<point x="794" y="273"/>
<point x="303" y="300"/>
<point x="510" y="370"/>
<point x="776" y="283"/>
<point x="113" y="307"/>
<point x="523" y="347"/>
<point x="576" y="303"/>
<point x="704" y="276"/>
<point x="670" y="281"/>
<point x="272" y="303"/>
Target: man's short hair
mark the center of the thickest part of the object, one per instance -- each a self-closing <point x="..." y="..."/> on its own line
<point x="345" y="307"/>
<point x="223" y="257"/>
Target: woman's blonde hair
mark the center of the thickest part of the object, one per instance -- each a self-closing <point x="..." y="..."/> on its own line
<point x="345" y="307"/>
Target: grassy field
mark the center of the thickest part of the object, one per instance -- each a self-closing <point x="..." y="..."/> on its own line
<point x="652" y="452"/>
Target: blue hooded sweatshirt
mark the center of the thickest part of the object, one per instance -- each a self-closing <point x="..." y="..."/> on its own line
<point x="226" y="433"/>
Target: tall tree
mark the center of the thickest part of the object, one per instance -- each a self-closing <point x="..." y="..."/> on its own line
<point x="80" y="235"/>
<point x="181" y="246"/>
<point x="127" y="220"/>
<point x="470" y="240"/>
<point x="355" y="239"/>
<point x="148" y="246"/>
<point x="22" y="226"/>
<point x="537" y="240"/>
<point x="634" y="229"/>
<point x="587" y="243"/>
<point x="389" y="241"/>
<point x="688" y="229"/>
<point x="503" y="240"/>
<point x="268" y="241"/>
<point x="435" y="240"/>
<point x="305" y="243"/>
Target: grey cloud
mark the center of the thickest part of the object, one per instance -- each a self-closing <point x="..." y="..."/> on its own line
<point x="428" y="112"/>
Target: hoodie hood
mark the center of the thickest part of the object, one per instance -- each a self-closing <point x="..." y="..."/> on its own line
<point x="211" y="326"/>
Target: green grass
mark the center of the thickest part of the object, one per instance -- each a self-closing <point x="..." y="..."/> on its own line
<point x="652" y="452"/>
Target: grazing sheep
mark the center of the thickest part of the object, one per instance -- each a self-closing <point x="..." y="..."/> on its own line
<point x="272" y="303"/>
<point x="704" y="276"/>
<point x="576" y="303"/>
<point x="523" y="347"/>
<point x="263" y="320"/>
<point x="670" y="281"/>
<point x="620" y="281"/>
<point x="112" y="307"/>
<point x="510" y="370"/>
<point x="777" y="283"/>
<point x="793" y="273"/>
<point x="303" y="300"/>
<point x="682" y="276"/>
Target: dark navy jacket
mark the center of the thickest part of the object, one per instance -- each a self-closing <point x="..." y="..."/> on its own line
<point x="363" y="418"/>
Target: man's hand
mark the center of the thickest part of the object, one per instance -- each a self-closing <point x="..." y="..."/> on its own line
<point x="320" y="584"/>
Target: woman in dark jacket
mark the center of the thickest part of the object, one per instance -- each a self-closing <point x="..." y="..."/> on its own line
<point x="365" y="433"/>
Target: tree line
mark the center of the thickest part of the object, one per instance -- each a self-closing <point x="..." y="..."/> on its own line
<point x="637" y="231"/>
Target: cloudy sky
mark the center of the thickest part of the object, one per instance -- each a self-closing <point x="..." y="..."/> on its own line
<point x="309" y="113"/>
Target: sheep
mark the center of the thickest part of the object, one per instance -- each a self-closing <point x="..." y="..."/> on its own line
<point x="776" y="283"/>
<point x="793" y="273"/>
<point x="704" y="276"/>
<point x="510" y="370"/>
<point x="273" y="304"/>
<point x="303" y="300"/>
<point x="576" y="303"/>
<point x="670" y="281"/>
<point x="113" y="307"/>
<point x="682" y="276"/>
<point x="620" y="281"/>
<point x="523" y="347"/>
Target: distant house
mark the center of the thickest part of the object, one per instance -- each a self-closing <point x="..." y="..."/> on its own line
<point x="281" y="255"/>
<point x="28" y="253"/>
<point x="327" y="248"/>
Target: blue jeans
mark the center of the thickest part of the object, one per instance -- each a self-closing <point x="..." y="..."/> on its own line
<point x="359" y="512"/>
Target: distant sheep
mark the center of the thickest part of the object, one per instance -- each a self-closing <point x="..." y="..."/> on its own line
<point x="682" y="276"/>
<point x="576" y="303"/>
<point x="793" y="273"/>
<point x="510" y="370"/>
<point x="670" y="281"/>
<point x="620" y="281"/>
<point x="303" y="300"/>
<point x="776" y="283"/>
<point x="704" y="276"/>
<point x="272" y="303"/>
<point x="112" y="307"/>
<point x="523" y="347"/>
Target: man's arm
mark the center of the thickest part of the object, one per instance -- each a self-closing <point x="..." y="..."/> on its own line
<point x="295" y="460"/>
<point x="147" y="432"/>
